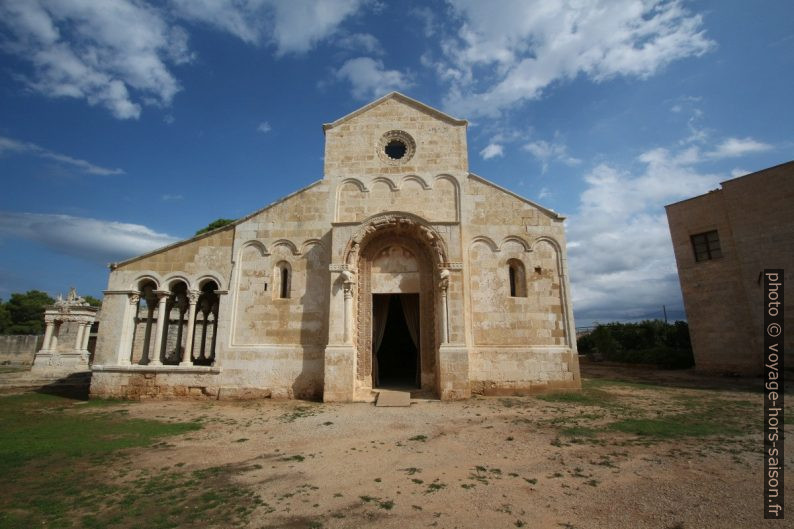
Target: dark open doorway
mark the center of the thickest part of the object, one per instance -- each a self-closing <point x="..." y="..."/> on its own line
<point x="396" y="354"/>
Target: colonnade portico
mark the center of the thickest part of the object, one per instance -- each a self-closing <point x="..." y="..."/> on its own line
<point x="156" y="342"/>
<point x="70" y="316"/>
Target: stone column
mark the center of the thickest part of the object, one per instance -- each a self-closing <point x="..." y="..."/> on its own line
<point x="162" y="316"/>
<point x="192" y="296"/>
<point x="128" y="329"/>
<point x="443" y="285"/>
<point x="50" y="326"/>
<point x="86" y="335"/>
<point x="348" y="280"/>
<point x="54" y="337"/>
<point x="78" y="341"/>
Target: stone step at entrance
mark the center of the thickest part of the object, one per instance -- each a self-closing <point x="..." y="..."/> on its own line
<point x="393" y="398"/>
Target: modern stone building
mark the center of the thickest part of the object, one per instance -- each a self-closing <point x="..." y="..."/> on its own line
<point x="399" y="268"/>
<point x="723" y="240"/>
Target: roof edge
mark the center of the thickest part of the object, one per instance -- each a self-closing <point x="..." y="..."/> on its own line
<point x="401" y="97"/>
<point x="546" y="210"/>
<point x="114" y="266"/>
<point x="728" y="181"/>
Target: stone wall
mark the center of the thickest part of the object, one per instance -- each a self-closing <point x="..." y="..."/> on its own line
<point x="351" y="147"/>
<point x="522" y="343"/>
<point x="723" y="297"/>
<point x="19" y="349"/>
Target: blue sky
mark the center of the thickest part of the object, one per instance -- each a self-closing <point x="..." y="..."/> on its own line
<point x="126" y="125"/>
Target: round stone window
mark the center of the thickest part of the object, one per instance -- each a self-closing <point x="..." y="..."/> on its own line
<point x="396" y="147"/>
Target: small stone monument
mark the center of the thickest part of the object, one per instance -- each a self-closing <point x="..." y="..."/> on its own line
<point x="68" y="328"/>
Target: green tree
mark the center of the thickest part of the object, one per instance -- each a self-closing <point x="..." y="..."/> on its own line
<point x="5" y="318"/>
<point x="26" y="312"/>
<point x="214" y="225"/>
<point x="94" y="302"/>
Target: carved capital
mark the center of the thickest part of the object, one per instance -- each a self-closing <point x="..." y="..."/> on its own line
<point x="193" y="296"/>
<point x="134" y="298"/>
<point x="348" y="280"/>
<point x="162" y="294"/>
<point x="443" y="279"/>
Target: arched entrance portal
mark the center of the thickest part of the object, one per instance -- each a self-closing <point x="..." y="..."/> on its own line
<point x="397" y="305"/>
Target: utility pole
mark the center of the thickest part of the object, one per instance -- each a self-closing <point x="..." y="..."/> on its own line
<point x="664" y="309"/>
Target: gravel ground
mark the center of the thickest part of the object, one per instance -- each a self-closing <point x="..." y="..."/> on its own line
<point x="487" y="462"/>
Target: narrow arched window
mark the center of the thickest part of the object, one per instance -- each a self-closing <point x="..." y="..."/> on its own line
<point x="517" y="278"/>
<point x="283" y="273"/>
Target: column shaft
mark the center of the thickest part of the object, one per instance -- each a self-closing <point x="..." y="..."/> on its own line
<point x="161" y="323"/>
<point x="191" y="324"/>
<point x="50" y="326"/>
<point x="78" y="341"/>
<point x="86" y="336"/>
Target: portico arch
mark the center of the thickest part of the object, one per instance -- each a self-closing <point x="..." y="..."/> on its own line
<point x="397" y="254"/>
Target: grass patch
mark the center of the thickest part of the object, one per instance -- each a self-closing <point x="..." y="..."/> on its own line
<point x="44" y="427"/>
<point x="587" y="397"/>
<point x="579" y="431"/>
<point x="70" y="469"/>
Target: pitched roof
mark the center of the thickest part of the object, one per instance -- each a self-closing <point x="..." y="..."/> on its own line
<point x="399" y="97"/>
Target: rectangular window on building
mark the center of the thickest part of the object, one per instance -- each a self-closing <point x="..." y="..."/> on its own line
<point x="706" y="246"/>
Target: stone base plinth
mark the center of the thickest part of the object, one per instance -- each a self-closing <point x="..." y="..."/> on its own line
<point x="60" y="363"/>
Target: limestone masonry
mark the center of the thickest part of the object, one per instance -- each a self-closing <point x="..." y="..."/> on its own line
<point x="723" y="241"/>
<point x="399" y="269"/>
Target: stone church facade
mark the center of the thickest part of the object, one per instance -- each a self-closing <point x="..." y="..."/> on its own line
<point x="399" y="268"/>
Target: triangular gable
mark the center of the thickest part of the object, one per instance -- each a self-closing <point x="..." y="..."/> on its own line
<point x="549" y="212"/>
<point x="404" y="99"/>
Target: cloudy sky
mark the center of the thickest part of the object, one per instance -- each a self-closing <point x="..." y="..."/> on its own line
<point x="126" y="125"/>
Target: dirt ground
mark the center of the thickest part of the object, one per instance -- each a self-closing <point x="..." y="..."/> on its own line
<point x="695" y="460"/>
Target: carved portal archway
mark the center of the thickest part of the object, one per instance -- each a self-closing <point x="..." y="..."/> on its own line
<point x="398" y="254"/>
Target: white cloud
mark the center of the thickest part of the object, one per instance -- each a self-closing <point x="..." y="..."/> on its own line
<point x="360" y="43"/>
<point x="736" y="172"/>
<point x="733" y="147"/>
<point x="292" y="27"/>
<point x="169" y="119"/>
<point x="544" y="193"/>
<point x="427" y="18"/>
<point x="508" y="52"/>
<point x="12" y="146"/>
<point x="491" y="150"/>
<point x="264" y="127"/>
<point x="369" y="79"/>
<point x="171" y="197"/>
<point x="547" y="152"/>
<point x="112" y="53"/>
<point x="620" y="253"/>
<point x="92" y="239"/>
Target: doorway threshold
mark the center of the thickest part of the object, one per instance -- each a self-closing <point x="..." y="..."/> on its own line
<point x="393" y="398"/>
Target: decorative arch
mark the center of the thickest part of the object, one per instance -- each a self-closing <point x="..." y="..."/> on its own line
<point x="259" y="245"/>
<point x="309" y="243"/>
<point x="176" y="277"/>
<point x="424" y="250"/>
<point x="209" y="276"/>
<point x="355" y="182"/>
<point x="518" y="240"/>
<point x="287" y="243"/>
<point x="154" y="277"/>
<point x="550" y="240"/>
<point x="383" y="180"/>
<point x="487" y="241"/>
<point x="414" y="178"/>
<point x="397" y="222"/>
